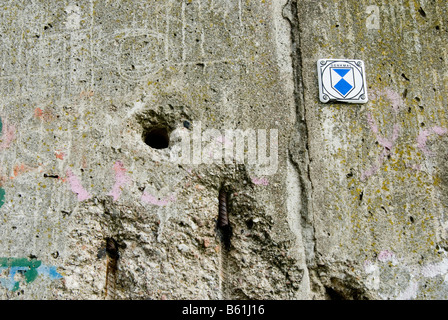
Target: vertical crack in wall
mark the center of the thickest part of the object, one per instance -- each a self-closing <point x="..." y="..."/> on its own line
<point x="299" y="154"/>
<point x="225" y="232"/>
<point x="111" y="268"/>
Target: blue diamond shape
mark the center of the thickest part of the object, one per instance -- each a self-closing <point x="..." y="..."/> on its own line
<point x="343" y="87"/>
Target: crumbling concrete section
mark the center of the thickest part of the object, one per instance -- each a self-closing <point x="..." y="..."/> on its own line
<point x="178" y="150"/>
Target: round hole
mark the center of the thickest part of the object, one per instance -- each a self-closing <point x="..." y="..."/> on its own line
<point x="157" y="138"/>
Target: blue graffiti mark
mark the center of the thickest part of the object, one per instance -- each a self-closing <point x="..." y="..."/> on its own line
<point x="9" y="283"/>
<point x="49" y="271"/>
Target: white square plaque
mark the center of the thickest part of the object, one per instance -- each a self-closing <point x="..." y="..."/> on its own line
<point x="342" y="80"/>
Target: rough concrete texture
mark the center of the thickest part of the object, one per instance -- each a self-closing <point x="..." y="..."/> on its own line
<point x="356" y="208"/>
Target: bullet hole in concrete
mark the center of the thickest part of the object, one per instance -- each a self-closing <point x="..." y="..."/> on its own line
<point x="55" y="176"/>
<point x="412" y="219"/>
<point x="65" y="213"/>
<point x="112" y="266"/>
<point x="186" y="124"/>
<point x="422" y="124"/>
<point x="249" y="223"/>
<point x="405" y="93"/>
<point x="404" y="77"/>
<point x="157" y="137"/>
<point x="421" y="108"/>
<point x="361" y="195"/>
<point x="437" y="27"/>
<point x="417" y="99"/>
<point x="409" y="110"/>
<point x="337" y="26"/>
<point x="333" y="294"/>
<point x="112" y="248"/>
<point x="422" y="12"/>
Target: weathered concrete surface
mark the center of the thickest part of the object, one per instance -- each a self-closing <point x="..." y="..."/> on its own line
<point x="378" y="170"/>
<point x="81" y="83"/>
<point x="354" y="209"/>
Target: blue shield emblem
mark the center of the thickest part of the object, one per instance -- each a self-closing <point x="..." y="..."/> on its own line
<point x="342" y="80"/>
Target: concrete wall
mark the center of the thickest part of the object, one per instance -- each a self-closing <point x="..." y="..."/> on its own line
<point x="350" y="203"/>
<point x="378" y="171"/>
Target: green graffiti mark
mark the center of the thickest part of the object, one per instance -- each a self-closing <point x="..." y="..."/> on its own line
<point x="27" y="266"/>
<point x="1" y="126"/>
<point x="29" y="269"/>
<point x="2" y="197"/>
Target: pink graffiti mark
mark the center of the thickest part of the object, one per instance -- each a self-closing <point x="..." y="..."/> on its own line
<point x="76" y="186"/>
<point x="424" y="135"/>
<point x="43" y="115"/>
<point x="8" y="135"/>
<point x="415" y="167"/>
<point x="387" y="145"/>
<point x="121" y="179"/>
<point x="390" y="95"/>
<point x="148" y="198"/>
<point x="385" y="256"/>
<point x="59" y="154"/>
<point x="260" y="181"/>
